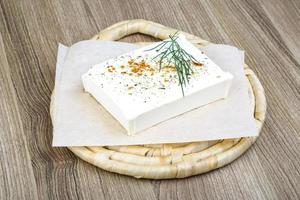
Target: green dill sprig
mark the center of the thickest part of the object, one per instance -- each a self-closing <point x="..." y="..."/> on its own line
<point x="170" y="52"/>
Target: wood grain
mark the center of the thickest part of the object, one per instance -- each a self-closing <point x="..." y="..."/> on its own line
<point x="29" y="33"/>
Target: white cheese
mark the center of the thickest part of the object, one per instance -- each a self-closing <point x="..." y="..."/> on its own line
<point x="139" y="95"/>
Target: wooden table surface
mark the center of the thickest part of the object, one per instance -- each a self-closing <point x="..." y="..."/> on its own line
<point x="269" y="32"/>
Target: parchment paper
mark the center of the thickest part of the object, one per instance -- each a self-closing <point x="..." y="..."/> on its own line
<point x="78" y="120"/>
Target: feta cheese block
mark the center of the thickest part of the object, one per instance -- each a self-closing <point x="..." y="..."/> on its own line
<point x="139" y="94"/>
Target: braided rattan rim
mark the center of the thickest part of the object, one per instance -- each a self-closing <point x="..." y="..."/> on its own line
<point x="164" y="161"/>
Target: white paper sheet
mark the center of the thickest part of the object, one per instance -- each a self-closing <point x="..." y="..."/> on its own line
<point x="78" y="120"/>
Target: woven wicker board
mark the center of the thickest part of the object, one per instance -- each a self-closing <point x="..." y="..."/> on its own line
<point x="165" y="161"/>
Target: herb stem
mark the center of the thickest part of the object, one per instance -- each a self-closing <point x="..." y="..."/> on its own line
<point x="170" y="52"/>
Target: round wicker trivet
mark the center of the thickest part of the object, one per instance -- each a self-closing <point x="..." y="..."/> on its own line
<point x="165" y="161"/>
